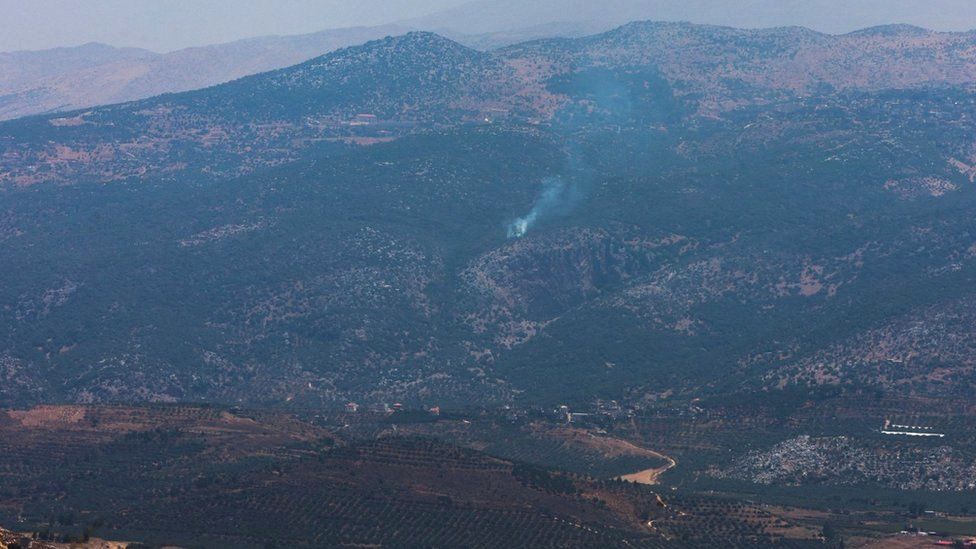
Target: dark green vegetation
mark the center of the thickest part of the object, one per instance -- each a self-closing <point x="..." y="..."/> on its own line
<point x="338" y="230"/>
<point x="384" y="272"/>
<point x="328" y="274"/>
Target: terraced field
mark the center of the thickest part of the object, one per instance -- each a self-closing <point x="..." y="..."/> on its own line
<point x="253" y="478"/>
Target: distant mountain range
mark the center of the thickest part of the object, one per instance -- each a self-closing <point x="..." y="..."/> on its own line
<point x="63" y="79"/>
<point x="34" y="82"/>
<point x="830" y="16"/>
<point x="424" y="78"/>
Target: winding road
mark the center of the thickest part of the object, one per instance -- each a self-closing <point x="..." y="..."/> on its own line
<point x="650" y="476"/>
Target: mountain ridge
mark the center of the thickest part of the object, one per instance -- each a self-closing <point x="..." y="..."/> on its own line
<point x="514" y="82"/>
<point x="487" y="16"/>
<point x="128" y="74"/>
<point x="661" y="211"/>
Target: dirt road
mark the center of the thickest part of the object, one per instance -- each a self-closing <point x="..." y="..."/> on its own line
<point x="650" y="476"/>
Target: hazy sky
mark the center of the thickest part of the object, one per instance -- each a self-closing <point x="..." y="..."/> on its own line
<point x="164" y="25"/>
<point x="831" y="16"/>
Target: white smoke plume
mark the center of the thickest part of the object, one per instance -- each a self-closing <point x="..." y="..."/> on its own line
<point x="556" y="198"/>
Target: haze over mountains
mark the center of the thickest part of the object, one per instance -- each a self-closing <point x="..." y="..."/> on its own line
<point x="63" y="79"/>
<point x="310" y="101"/>
<point x="178" y="24"/>
<point x="829" y="16"/>
<point x="35" y="82"/>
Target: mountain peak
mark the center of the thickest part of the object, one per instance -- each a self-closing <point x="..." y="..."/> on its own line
<point x="418" y="41"/>
<point x="380" y="77"/>
<point x="422" y="36"/>
<point x="412" y="45"/>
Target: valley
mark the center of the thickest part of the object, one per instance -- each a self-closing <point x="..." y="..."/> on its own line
<point x="446" y="478"/>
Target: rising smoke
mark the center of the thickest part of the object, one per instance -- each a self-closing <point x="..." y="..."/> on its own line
<point x="557" y="198"/>
<point x="608" y="101"/>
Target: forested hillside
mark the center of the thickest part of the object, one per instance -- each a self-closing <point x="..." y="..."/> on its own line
<point x="660" y="210"/>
